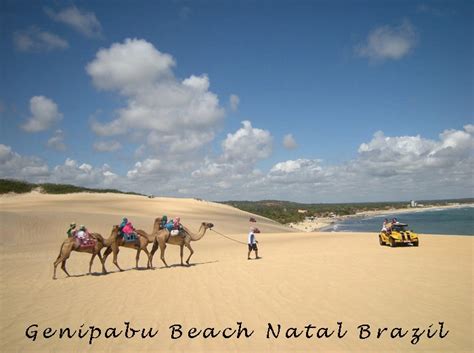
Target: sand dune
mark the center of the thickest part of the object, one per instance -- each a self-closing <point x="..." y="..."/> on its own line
<point x="303" y="278"/>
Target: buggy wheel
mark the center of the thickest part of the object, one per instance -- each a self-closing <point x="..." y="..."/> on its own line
<point x="416" y="243"/>
<point x="392" y="242"/>
<point x="381" y="241"/>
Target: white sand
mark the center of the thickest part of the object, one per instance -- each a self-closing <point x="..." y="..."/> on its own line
<point x="303" y="278"/>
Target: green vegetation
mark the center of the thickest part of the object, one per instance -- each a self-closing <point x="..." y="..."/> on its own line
<point x="21" y="187"/>
<point x="287" y="212"/>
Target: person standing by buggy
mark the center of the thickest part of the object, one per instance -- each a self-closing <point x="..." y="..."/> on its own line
<point x="252" y="244"/>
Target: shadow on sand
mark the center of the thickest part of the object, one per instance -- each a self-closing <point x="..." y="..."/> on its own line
<point x="99" y="274"/>
<point x="190" y="265"/>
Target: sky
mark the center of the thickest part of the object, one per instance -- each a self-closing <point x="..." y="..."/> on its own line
<point x="309" y="101"/>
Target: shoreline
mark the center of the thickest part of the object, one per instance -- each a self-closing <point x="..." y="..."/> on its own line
<point x="323" y="222"/>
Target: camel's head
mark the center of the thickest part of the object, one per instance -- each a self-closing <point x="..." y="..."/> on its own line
<point x="115" y="229"/>
<point x="207" y="225"/>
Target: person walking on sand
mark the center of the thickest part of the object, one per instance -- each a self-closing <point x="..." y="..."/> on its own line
<point x="252" y="244"/>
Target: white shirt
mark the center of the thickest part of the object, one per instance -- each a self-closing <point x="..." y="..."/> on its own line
<point x="251" y="239"/>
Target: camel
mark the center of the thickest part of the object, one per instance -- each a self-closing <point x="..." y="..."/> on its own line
<point x="140" y="245"/>
<point x="69" y="245"/>
<point x="162" y="237"/>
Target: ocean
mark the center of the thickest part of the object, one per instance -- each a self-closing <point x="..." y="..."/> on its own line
<point x="456" y="221"/>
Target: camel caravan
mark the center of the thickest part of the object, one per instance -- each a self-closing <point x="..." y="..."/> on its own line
<point x="124" y="235"/>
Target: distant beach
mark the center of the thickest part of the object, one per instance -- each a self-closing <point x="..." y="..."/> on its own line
<point x="339" y="223"/>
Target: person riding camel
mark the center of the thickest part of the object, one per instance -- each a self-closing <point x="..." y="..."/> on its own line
<point x="72" y="230"/>
<point x="128" y="229"/>
<point x="174" y="226"/>
<point x="163" y="222"/>
<point x="83" y="233"/>
<point x="122" y="225"/>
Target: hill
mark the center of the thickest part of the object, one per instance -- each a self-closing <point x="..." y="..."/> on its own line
<point x="21" y="187"/>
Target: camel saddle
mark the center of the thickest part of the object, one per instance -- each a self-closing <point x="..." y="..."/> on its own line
<point x="129" y="238"/>
<point x="87" y="242"/>
<point x="176" y="233"/>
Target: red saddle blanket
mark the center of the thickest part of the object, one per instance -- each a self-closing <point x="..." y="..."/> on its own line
<point x="86" y="242"/>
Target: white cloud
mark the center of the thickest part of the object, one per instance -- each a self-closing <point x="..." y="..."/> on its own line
<point x="84" y="22"/>
<point x="148" y="173"/>
<point x="410" y="154"/>
<point x="234" y="102"/>
<point x="293" y="166"/>
<point x="35" y="40"/>
<point x="389" y="42"/>
<point x="129" y="67"/>
<point x="289" y="142"/>
<point x="247" y="144"/>
<point x="83" y="174"/>
<point x="13" y="165"/>
<point x="469" y="128"/>
<point x="44" y="113"/>
<point x="57" y="141"/>
<point x="386" y="168"/>
<point x="176" y="116"/>
<point x="149" y="167"/>
<point x="240" y="153"/>
<point x="107" y="146"/>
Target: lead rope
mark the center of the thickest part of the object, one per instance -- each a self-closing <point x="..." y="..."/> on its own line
<point x="225" y="236"/>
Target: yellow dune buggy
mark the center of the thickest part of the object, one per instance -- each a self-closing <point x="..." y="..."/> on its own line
<point x="398" y="235"/>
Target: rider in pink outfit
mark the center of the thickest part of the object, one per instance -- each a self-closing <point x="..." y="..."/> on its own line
<point x="176" y="223"/>
<point x="128" y="228"/>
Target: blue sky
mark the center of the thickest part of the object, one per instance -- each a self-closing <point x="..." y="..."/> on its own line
<point x="368" y="90"/>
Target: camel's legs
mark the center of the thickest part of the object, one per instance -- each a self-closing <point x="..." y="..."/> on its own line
<point x="102" y="261"/>
<point x="62" y="257"/>
<point x="162" y="250"/>
<point x="56" y="263"/>
<point x="116" y="251"/>
<point x="91" y="262"/>
<point x="65" y="255"/>
<point x="153" y="251"/>
<point x="137" y="257"/>
<point x="181" y="248"/>
<point x="188" y="245"/>
<point x="154" y="248"/>
<point x="107" y="253"/>
<point x="63" y="266"/>
<point x="145" y="250"/>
